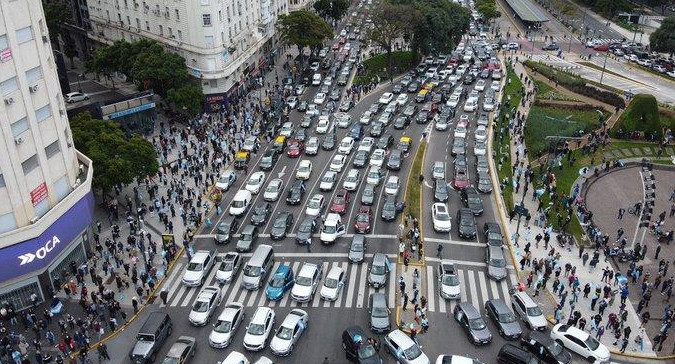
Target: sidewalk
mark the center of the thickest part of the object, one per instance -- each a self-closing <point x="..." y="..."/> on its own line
<point x="542" y="263"/>
<point x="411" y="302"/>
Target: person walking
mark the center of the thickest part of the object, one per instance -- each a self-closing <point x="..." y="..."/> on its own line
<point x="309" y="245"/>
<point x="164" y="295"/>
<point x="401" y="284"/>
<point x="405" y="301"/>
<point x="439" y="251"/>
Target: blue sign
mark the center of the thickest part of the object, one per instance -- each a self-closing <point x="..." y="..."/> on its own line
<point x="129" y="111"/>
<point x="37" y="253"/>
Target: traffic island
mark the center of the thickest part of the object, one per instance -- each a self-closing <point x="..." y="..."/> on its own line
<point x="411" y="303"/>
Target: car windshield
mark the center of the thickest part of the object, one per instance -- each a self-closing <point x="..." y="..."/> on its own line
<point x="442" y="217"/>
<point x="392" y="185"/>
<point x="555" y="348"/>
<point x="145" y="337"/>
<point x="534" y="311"/>
<point x="591" y="343"/>
<point x="377" y="269"/>
<point x="357" y="247"/>
<point x="272" y="188"/>
<point x="280" y="223"/>
<point x="329" y="229"/>
<point x="477" y="324"/>
<point x="412" y="352"/>
<point x="450" y="280"/>
<point x="223" y="179"/>
<point x="368" y="192"/>
<point x="327" y="179"/>
<point x="313" y="204"/>
<point x="305" y="228"/>
<point x="256" y="329"/>
<point x="303" y="168"/>
<point x="366" y="351"/>
<point x="227" y="266"/>
<point x="285" y="333"/>
<point x="494" y="236"/>
<point x="304" y="281"/>
<point x="388" y="206"/>
<point x="380" y="312"/>
<point x="362" y="217"/>
<point x="170" y="360"/>
<point x="222" y="326"/>
<point x="339" y="201"/>
<point x="474" y="200"/>
<point x="194" y="266"/>
<point x="277" y="282"/>
<point x="200" y="306"/>
<point x="506" y="318"/>
<point x="251" y="271"/>
<point x="331" y="283"/>
<point x="466" y="222"/>
<point x="498" y="262"/>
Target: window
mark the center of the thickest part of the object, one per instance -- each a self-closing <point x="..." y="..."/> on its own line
<point x="213" y="83"/>
<point x="19" y="127"/>
<point x="220" y="16"/>
<point x="205" y="2"/>
<point x="33" y="75"/>
<point x="206" y="20"/>
<point x="170" y="32"/>
<point x="180" y="35"/>
<point x="161" y="30"/>
<point x="24" y="35"/>
<point x="62" y="188"/>
<point x="9" y="86"/>
<point x="128" y="20"/>
<point x="3" y="42"/>
<point x="147" y="25"/>
<point x="30" y="164"/>
<point x="208" y="40"/>
<point x="138" y="23"/>
<point x="42" y="207"/>
<point x="177" y="15"/>
<point x="43" y="113"/>
<point x="52" y="149"/>
<point x="8" y="223"/>
<point x="2" y="181"/>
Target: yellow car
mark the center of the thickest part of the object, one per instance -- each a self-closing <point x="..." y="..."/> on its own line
<point x="422" y="96"/>
<point x="404" y="143"/>
<point x="279" y="143"/>
<point x="241" y="159"/>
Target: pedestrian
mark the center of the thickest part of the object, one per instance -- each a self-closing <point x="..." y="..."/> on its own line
<point x="601" y="331"/>
<point x="103" y="351"/>
<point x="309" y="245"/>
<point x="439" y="251"/>
<point x="657" y="251"/>
<point x="624" y="345"/>
<point x="164" y="295"/>
<point x="424" y="323"/>
<point x="621" y="212"/>
<point x="405" y="301"/>
<point x="401" y="284"/>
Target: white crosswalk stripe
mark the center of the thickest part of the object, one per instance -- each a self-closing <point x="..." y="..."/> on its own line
<point x="475" y="287"/>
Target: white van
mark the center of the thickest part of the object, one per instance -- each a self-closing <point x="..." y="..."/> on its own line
<point x="258" y="267"/>
<point x="240" y="203"/>
<point x="332" y="229"/>
<point x="316" y="79"/>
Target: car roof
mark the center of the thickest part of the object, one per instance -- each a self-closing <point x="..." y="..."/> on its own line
<point x="177" y="348"/>
<point x="401" y="338"/>
<point x="378" y="299"/>
<point x="200" y="255"/>
<point x="230" y="310"/>
<point x="495" y="251"/>
<point x="334" y="272"/>
<point x="499" y="305"/>
<point x="448" y="266"/>
<point x="539" y="337"/>
<point x="293" y="317"/>
<point x="282" y="270"/>
<point x="207" y="292"/>
<point x="470" y="310"/>
<point x="260" y="314"/>
<point x="230" y="256"/>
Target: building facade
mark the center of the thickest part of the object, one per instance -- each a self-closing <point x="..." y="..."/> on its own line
<point x="46" y="204"/>
<point x="224" y="42"/>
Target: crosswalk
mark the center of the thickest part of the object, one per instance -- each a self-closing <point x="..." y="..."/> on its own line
<point x="475" y="286"/>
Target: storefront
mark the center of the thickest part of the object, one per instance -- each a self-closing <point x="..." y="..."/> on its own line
<point x="43" y="263"/>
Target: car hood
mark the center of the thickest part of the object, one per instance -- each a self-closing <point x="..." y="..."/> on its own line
<point x="270" y="195"/>
<point x="538" y="321"/>
<point x="301" y="291"/>
<point x="223" y="275"/>
<point x="198" y="316"/>
<point x="279" y="345"/>
<point x="512" y="329"/>
<point x="443" y="224"/>
<point x="377" y="278"/>
<point x="192" y="276"/>
<point x="257" y="219"/>
<point x="277" y="231"/>
<point x="254" y="340"/>
<point x="329" y="292"/>
<point x="475" y="206"/>
<point x="483" y="334"/>
<point x="450" y="290"/>
<point x="355" y="256"/>
<point x="220" y="337"/>
<point x="602" y="352"/>
<point x="303" y="236"/>
<point x="496" y="272"/>
<point x="243" y="245"/>
<point x="142" y="348"/>
<point x="388" y="213"/>
<point x="275" y="293"/>
<point x="380" y="323"/>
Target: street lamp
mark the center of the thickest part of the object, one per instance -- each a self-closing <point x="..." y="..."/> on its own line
<point x="604" y="64"/>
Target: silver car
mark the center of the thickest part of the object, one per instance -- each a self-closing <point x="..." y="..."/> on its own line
<point x="226" y="327"/>
<point x="205" y="303"/>
<point x="357" y="248"/>
<point x="496" y="263"/>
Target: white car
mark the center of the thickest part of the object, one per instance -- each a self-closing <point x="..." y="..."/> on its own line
<point x="470" y="105"/>
<point x="404" y="349"/>
<point x="286" y="129"/>
<point x="328" y="81"/>
<point x="315" y="205"/>
<point x="351" y="182"/>
<point x="488" y="104"/>
<point x="343" y="120"/>
<point x="449" y="287"/>
<point x="312" y="146"/>
<point x="306" y="282"/>
<point x="226" y="327"/>
<point x="226" y="180"/>
<point x="313" y="109"/>
<point x="229" y="267"/>
<point x="337" y="163"/>
<point x="385" y="118"/>
<point x="320" y="98"/>
<point x="393" y="106"/>
<point x="481" y="133"/>
<point x="386" y="98"/>
<point x="206" y="302"/>
<point x="479" y="148"/>
<point x="441" y="217"/>
<point x="366" y="144"/>
<point x="453" y="100"/>
<point x="292" y="102"/>
<point x="333" y="284"/>
<point x="580" y="342"/>
<point x="288" y="334"/>
<point x="671" y="73"/>
<point x="74" y="97"/>
<point x="402" y="99"/>
<point x="259" y="329"/>
<point x="328" y="181"/>
<point x="323" y="126"/>
<point x="377" y="159"/>
<point x="441" y="125"/>
<point x="255" y="182"/>
<point x="480" y="85"/>
<point x="392" y="186"/>
<point x="495" y="86"/>
<point x="374" y="176"/>
<point x="365" y="117"/>
<point x="346" y="145"/>
<point x="273" y="190"/>
<point x="304" y="170"/>
<point x="460" y="130"/>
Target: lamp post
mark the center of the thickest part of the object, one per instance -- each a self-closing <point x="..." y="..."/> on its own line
<point x="604" y="64"/>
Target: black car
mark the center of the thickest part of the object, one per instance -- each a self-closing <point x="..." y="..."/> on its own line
<point x="305" y="230"/>
<point x="389" y="208"/>
<point x="385" y="141"/>
<point x="466" y="224"/>
<point x="551" y="47"/>
<point x="422" y="117"/>
<point x="260" y="213"/>
<point x="470" y="319"/>
<point x="545" y="348"/>
<point x="441" y="190"/>
<point x="302" y="106"/>
<point x="376" y="129"/>
<point x="360" y="159"/>
<point x="268" y="160"/>
<point x="493" y="234"/>
<point x="357" y="348"/>
<point x="468" y="79"/>
<point x="328" y="142"/>
<point x="282" y="223"/>
<point x="296" y="193"/>
<point x="503" y="318"/>
<point x="401" y="122"/>
<point x="472" y="200"/>
<point x="226" y="229"/>
<point x="395" y="160"/>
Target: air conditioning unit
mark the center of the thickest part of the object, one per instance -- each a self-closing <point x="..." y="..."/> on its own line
<point x="69" y="144"/>
<point x="9" y="101"/>
<point x="18" y="140"/>
<point x="33" y="89"/>
<point x="34" y="219"/>
<point x="45" y="39"/>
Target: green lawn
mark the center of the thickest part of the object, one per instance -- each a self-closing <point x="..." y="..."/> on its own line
<point x="376" y="66"/>
<point x="547" y="121"/>
<point x="414" y="187"/>
<point x="546" y="92"/>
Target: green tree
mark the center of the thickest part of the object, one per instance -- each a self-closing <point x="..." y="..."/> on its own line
<point x="56" y="13"/>
<point x="69" y="48"/>
<point x="391" y="22"/>
<point x="303" y="28"/>
<point x="663" y="39"/>
<point x="488" y="10"/>
<point x="442" y="25"/>
<point x="334" y="9"/>
<point x="116" y="159"/>
<point x="187" y="97"/>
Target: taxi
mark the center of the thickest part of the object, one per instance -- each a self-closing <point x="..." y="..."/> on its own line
<point x="279" y="143"/>
<point x="404" y="143"/>
<point x="241" y="159"/>
<point x="422" y="96"/>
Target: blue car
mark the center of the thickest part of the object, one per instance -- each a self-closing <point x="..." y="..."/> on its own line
<point x="281" y="281"/>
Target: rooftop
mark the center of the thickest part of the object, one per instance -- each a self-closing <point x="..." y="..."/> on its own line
<point x="527" y="11"/>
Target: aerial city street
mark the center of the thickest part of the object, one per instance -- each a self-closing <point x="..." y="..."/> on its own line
<point x="374" y="181"/>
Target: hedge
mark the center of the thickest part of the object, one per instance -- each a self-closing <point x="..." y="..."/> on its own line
<point x="641" y="115"/>
<point x="376" y="66"/>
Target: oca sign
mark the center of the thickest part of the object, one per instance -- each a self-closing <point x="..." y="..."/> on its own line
<point x="41" y="253"/>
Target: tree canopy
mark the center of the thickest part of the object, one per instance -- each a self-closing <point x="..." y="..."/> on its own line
<point x="609" y="8"/>
<point x="303" y="29"/>
<point x="116" y="159"/>
<point x="488" y="10"/>
<point x="663" y="39"/>
<point x="334" y="9"/>
<point x="391" y="22"/>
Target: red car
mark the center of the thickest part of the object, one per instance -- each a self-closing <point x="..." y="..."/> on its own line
<point x="601" y="48"/>
<point x="336" y="46"/>
<point x="461" y="179"/>
<point x="295" y="148"/>
<point x="340" y="202"/>
<point x="363" y="220"/>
